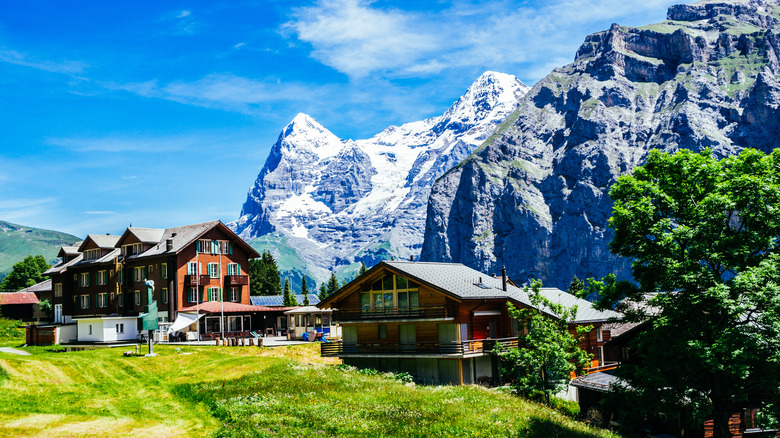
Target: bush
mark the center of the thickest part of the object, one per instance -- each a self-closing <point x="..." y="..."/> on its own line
<point x="568" y="408"/>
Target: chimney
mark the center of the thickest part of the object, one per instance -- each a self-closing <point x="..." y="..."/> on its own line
<point x="503" y="277"/>
<point x="169" y="244"/>
<point x="411" y="258"/>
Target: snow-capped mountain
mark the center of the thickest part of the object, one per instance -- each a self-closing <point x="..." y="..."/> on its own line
<point x="338" y="202"/>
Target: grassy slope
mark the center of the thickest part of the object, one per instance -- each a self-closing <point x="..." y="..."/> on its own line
<point x="17" y="242"/>
<point x="245" y="391"/>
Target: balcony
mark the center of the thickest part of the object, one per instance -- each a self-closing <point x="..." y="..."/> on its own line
<point x="196" y="279"/>
<point x="469" y="348"/>
<point x="236" y="280"/>
<point x="427" y="312"/>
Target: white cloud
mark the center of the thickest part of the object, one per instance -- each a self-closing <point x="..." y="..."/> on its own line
<point x="100" y="212"/>
<point x="359" y="38"/>
<point x="130" y="144"/>
<point x="66" y="67"/>
<point x="183" y="14"/>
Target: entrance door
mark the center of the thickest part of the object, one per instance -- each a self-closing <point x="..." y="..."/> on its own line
<point x="58" y="313"/>
<point x="407" y="334"/>
<point x="448" y="338"/>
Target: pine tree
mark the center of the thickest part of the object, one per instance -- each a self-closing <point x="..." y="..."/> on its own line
<point x="333" y="283"/>
<point x="264" y="276"/>
<point x="289" y="298"/>
<point x="363" y="269"/>
<point x="304" y="291"/>
<point x="323" y="292"/>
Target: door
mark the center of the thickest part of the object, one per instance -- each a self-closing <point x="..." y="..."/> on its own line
<point x="448" y="338"/>
<point x="350" y="336"/>
<point x="58" y="313"/>
<point x="407" y="334"/>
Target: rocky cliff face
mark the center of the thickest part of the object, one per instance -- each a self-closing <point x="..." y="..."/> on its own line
<point x="335" y="203"/>
<point x="535" y="197"/>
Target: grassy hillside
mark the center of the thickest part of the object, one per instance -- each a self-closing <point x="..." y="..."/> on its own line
<point x="247" y="391"/>
<point x="18" y="241"/>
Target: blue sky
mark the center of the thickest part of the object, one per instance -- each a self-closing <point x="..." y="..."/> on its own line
<point x="161" y="114"/>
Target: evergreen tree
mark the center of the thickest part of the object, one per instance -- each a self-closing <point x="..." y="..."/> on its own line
<point x="333" y="283"/>
<point x="363" y="269"/>
<point x="576" y="287"/>
<point x="304" y="291"/>
<point x="25" y="273"/>
<point x="264" y="275"/>
<point x="289" y="298"/>
<point x="323" y="292"/>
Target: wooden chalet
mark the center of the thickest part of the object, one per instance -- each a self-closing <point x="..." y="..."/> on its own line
<point x="438" y="321"/>
<point x="101" y="282"/>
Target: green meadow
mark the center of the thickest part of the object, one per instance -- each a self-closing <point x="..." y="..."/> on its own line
<point x="245" y="392"/>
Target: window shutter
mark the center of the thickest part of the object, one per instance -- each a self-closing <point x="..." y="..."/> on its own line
<point x="202" y="292"/>
<point x="230" y="247"/>
<point x="88" y="301"/>
<point x="239" y="294"/>
<point x="146" y="273"/>
<point x="238" y="269"/>
<point x="200" y="268"/>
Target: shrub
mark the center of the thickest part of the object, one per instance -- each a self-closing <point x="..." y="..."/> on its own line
<point x="566" y="407"/>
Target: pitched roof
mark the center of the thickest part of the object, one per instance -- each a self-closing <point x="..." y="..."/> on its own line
<point x="462" y="282"/>
<point x="144" y="235"/>
<point x="11" y="298"/>
<point x="227" y="307"/>
<point x="183" y="236"/>
<point x="44" y="286"/>
<point x="69" y="250"/>
<point x="63" y="266"/>
<point x="278" y="300"/>
<point x="600" y="381"/>
<point x="101" y="240"/>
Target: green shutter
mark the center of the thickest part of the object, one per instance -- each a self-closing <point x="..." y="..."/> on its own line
<point x="239" y="269"/>
<point x="202" y="293"/>
<point x="239" y="293"/>
<point x="230" y="247"/>
<point x="146" y="273"/>
<point x="89" y="298"/>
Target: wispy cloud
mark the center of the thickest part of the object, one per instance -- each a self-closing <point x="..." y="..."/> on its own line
<point x="131" y="144"/>
<point x="17" y="58"/>
<point x="358" y="38"/>
<point x="184" y="22"/>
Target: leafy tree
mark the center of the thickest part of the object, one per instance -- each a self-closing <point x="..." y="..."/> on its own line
<point x="323" y="292"/>
<point x="289" y="298"/>
<point x="705" y="232"/>
<point x="543" y="362"/>
<point x="45" y="306"/>
<point x="363" y="269"/>
<point x="305" y="291"/>
<point x="333" y="283"/>
<point x="25" y="273"/>
<point x="264" y="275"/>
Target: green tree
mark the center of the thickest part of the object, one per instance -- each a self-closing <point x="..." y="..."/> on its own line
<point x="289" y="298"/>
<point x="705" y="232"/>
<point x="304" y="291"/>
<point x="25" y="273"/>
<point x="363" y="269"/>
<point x="323" y="292"/>
<point x="576" y="287"/>
<point x="45" y="306"/>
<point x="333" y="283"/>
<point x="264" y="275"/>
<point x="542" y="363"/>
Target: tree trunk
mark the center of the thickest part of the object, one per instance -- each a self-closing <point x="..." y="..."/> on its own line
<point x="721" y="414"/>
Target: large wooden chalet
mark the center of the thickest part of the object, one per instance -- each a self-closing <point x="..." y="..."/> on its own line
<point x="100" y="283"/>
<point x="439" y="321"/>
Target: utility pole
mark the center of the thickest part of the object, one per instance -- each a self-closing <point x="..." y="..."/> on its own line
<point x="149" y="319"/>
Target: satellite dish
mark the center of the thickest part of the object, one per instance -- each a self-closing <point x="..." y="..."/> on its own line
<point x="150" y="283"/>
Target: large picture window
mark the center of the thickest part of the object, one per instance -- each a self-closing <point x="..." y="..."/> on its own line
<point x="391" y="292"/>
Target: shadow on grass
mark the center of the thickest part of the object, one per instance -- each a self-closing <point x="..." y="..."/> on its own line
<point x="545" y="428"/>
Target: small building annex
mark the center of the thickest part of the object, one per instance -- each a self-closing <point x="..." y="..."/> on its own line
<point x="439" y="321"/>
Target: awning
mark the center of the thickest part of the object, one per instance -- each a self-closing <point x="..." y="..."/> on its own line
<point x="184" y="320"/>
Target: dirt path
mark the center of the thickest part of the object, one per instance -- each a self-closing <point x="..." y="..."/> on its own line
<point x="13" y="351"/>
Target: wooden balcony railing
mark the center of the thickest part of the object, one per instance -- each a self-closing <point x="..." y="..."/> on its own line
<point x="193" y="279"/>
<point x="456" y="348"/>
<point x="426" y="312"/>
<point x="236" y="280"/>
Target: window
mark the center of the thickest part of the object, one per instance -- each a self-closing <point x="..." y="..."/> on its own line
<point x="599" y="335"/>
<point x="192" y="268"/>
<point x="85" y="301"/>
<point x="192" y="295"/>
<point x="92" y="254"/>
<point x="233" y="269"/>
<point x="214" y="294"/>
<point x="84" y="279"/>
<point x="164" y="295"/>
<point x="164" y="271"/>
<point x="120" y="278"/>
<point x="102" y="300"/>
<point x="212" y="324"/>
<point x="102" y="278"/>
<point x="234" y="324"/>
<point x="139" y="274"/>
<point x="90" y="329"/>
<point x="132" y="249"/>
<point x="206" y="246"/>
<point x="120" y="328"/>
<point x="234" y="294"/>
<point x="58" y="289"/>
<point x="137" y="295"/>
<point x="121" y="300"/>
<point x="213" y="270"/>
<point x="391" y="292"/>
<point x="382" y="331"/>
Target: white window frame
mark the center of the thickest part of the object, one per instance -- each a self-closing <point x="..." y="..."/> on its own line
<point x="193" y="293"/>
<point x="164" y="271"/>
<point x="84" y="279"/>
<point x="120" y="328"/>
<point x="137" y="297"/>
<point x="599" y="334"/>
<point x="84" y="302"/>
<point x="214" y="294"/>
<point x="57" y="290"/>
<point x="164" y="293"/>
<point x="102" y="300"/>
<point x="213" y="270"/>
<point x="192" y="268"/>
<point x="138" y="273"/>
<point x="234" y="294"/>
<point x="233" y="269"/>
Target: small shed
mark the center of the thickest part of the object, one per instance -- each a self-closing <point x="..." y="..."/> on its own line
<point x="312" y="322"/>
<point x="18" y="305"/>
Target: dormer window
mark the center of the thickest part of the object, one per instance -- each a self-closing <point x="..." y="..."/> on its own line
<point x="206" y="246"/>
<point x="132" y="249"/>
<point x="92" y="254"/>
